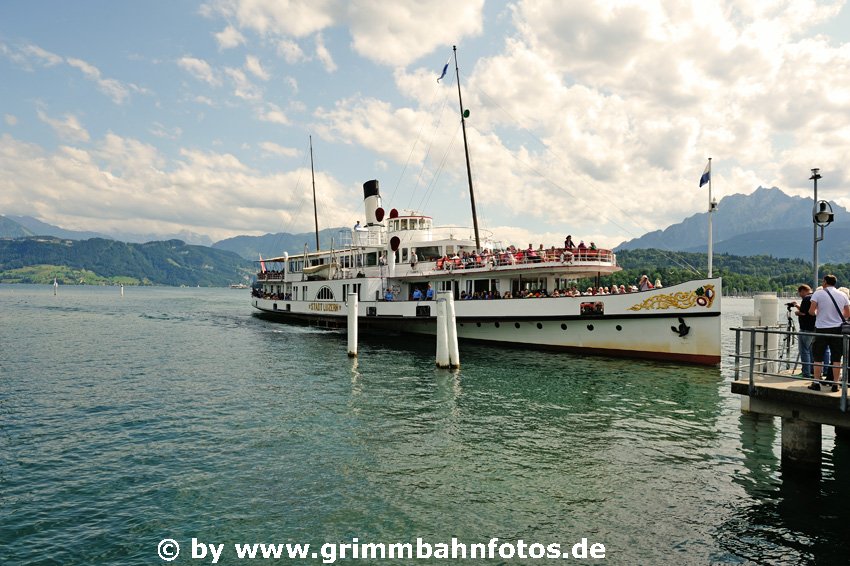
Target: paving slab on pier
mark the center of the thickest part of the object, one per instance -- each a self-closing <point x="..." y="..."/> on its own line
<point x="791" y="398"/>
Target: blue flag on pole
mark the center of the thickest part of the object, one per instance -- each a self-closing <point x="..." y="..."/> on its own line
<point x="706" y="175"/>
<point x="445" y="69"/>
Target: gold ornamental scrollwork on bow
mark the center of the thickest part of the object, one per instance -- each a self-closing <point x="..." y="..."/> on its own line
<point x="703" y="297"/>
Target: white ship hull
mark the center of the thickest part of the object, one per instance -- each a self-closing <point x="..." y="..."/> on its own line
<point x="680" y="323"/>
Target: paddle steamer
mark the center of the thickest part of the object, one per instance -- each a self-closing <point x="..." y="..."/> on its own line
<point x="388" y="259"/>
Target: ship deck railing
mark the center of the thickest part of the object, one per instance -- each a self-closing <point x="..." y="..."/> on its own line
<point x="557" y="257"/>
<point x="552" y="256"/>
<point x="767" y="354"/>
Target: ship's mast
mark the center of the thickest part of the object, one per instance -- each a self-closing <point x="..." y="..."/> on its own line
<point x="315" y="210"/>
<point x="466" y="152"/>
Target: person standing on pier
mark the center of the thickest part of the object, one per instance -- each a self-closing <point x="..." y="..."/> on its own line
<point x="807" y="324"/>
<point x="828" y="319"/>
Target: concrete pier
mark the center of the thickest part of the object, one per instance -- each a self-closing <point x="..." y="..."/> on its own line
<point x="803" y="413"/>
<point x="801" y="443"/>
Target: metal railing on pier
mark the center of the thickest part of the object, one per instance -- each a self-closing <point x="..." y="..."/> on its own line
<point x="762" y="352"/>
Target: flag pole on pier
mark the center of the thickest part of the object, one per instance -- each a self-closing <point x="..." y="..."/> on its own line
<point x="712" y="206"/>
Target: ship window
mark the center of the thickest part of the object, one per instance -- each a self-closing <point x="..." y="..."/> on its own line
<point x="592" y="308"/>
<point x="428" y="253"/>
<point x="404" y="224"/>
<point x="325" y="294"/>
<point x="403" y="254"/>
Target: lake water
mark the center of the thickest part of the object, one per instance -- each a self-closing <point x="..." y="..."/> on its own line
<point x="175" y="414"/>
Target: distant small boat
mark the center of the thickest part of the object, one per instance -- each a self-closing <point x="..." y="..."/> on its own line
<point x="238" y="286"/>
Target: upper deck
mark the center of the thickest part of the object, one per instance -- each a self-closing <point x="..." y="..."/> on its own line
<point x="438" y="264"/>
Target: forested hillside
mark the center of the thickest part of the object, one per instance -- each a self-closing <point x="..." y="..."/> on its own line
<point x="171" y="262"/>
<point x="741" y="274"/>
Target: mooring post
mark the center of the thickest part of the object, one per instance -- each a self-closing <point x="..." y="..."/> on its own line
<point x="451" y="327"/>
<point x="442" y="332"/>
<point x="801" y="443"/>
<point x="352" y="325"/>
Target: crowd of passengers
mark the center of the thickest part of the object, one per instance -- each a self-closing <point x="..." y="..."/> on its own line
<point x="570" y="292"/>
<point x="513" y="255"/>
<point x="260" y="294"/>
<point x="270" y="275"/>
<point x="428" y="293"/>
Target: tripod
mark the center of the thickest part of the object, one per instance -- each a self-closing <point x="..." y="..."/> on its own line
<point x="789" y="339"/>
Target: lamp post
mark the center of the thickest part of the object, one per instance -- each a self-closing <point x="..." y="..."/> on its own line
<point x="821" y="218"/>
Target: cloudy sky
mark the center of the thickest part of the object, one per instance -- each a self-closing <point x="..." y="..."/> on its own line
<point x="594" y="118"/>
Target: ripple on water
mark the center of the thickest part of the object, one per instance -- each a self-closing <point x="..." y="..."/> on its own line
<point x="175" y="413"/>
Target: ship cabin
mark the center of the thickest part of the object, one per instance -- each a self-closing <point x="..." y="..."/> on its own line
<point x="409" y="253"/>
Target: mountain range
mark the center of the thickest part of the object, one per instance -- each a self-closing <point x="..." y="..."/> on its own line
<point x="765" y="222"/>
<point x="34" y="227"/>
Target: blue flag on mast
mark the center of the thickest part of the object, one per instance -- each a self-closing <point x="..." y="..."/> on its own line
<point x="445" y="69"/>
<point x="706" y="175"/>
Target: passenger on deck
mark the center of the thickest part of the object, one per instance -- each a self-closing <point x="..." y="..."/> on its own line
<point x="644" y="284"/>
<point x="357" y="225"/>
<point x="429" y="293"/>
<point x="658" y="283"/>
<point x="414" y="259"/>
<point x="592" y="246"/>
<point x="417" y="295"/>
<point x="568" y="243"/>
<point x="388" y="296"/>
<point x="581" y="245"/>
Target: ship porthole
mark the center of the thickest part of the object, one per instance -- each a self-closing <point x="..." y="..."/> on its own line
<point x="516" y="324"/>
<point x="563" y="327"/>
<point x="619" y="327"/>
<point x="497" y="325"/>
<point x="478" y="324"/>
<point x="539" y="325"/>
<point x="590" y="327"/>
